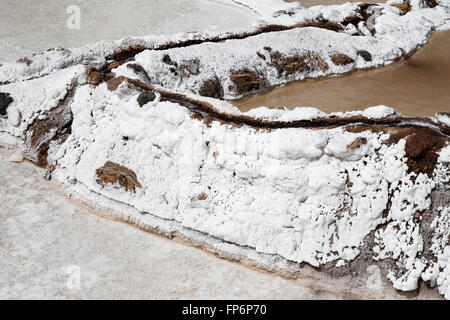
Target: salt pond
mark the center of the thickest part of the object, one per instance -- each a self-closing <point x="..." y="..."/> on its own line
<point x="28" y="26"/>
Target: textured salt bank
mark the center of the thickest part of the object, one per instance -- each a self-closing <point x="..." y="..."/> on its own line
<point x="137" y="265"/>
<point x="272" y="187"/>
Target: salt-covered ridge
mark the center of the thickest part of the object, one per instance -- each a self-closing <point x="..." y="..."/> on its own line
<point x="274" y="187"/>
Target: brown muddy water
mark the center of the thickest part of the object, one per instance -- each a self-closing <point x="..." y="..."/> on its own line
<point x="419" y="86"/>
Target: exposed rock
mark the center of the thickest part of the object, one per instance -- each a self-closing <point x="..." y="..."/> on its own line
<point x="126" y="54"/>
<point x="246" y="80"/>
<point x="341" y="59"/>
<point x="259" y="54"/>
<point x="112" y="173"/>
<point x="114" y="83"/>
<point x="5" y="101"/>
<point x="202" y="196"/>
<point x="55" y="126"/>
<point x="139" y="70"/>
<point x="112" y="66"/>
<point x="404" y="7"/>
<point x="211" y="88"/>
<point x="431" y="3"/>
<point x="362" y="15"/>
<point x="321" y="63"/>
<point x="146" y="97"/>
<point x="421" y="149"/>
<point x="93" y="76"/>
<point x="290" y="64"/>
<point x="48" y="171"/>
<point x="167" y="60"/>
<point x="190" y="67"/>
<point x="365" y="55"/>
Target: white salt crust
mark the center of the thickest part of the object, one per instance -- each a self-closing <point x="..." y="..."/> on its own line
<point x="282" y="193"/>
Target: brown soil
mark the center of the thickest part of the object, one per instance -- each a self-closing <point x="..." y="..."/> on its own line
<point x="246" y="80"/>
<point x="357" y="143"/>
<point x="431" y="3"/>
<point x="93" y="76"/>
<point x="25" y="60"/>
<point x="341" y="59"/>
<point x="202" y="196"/>
<point x="211" y="88"/>
<point x="112" y="173"/>
<point x="404" y="7"/>
<point x="365" y="55"/>
<point x="321" y="63"/>
<point x="421" y="149"/>
<point x="287" y="65"/>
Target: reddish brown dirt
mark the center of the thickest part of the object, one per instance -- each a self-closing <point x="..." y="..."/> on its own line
<point x="93" y="76"/>
<point x="287" y="65"/>
<point x="246" y="80"/>
<point x="202" y="196"/>
<point x="404" y="7"/>
<point x="421" y="149"/>
<point x="211" y="88"/>
<point x="112" y="173"/>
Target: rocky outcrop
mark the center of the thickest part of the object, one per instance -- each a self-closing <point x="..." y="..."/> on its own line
<point x="5" y="101"/>
<point x="112" y="173"/>
<point x="341" y="59"/>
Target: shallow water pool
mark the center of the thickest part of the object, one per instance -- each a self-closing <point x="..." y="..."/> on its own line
<point x="28" y="26"/>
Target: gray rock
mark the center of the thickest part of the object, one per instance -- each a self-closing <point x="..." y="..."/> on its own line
<point x="146" y="97"/>
<point x="365" y="55"/>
